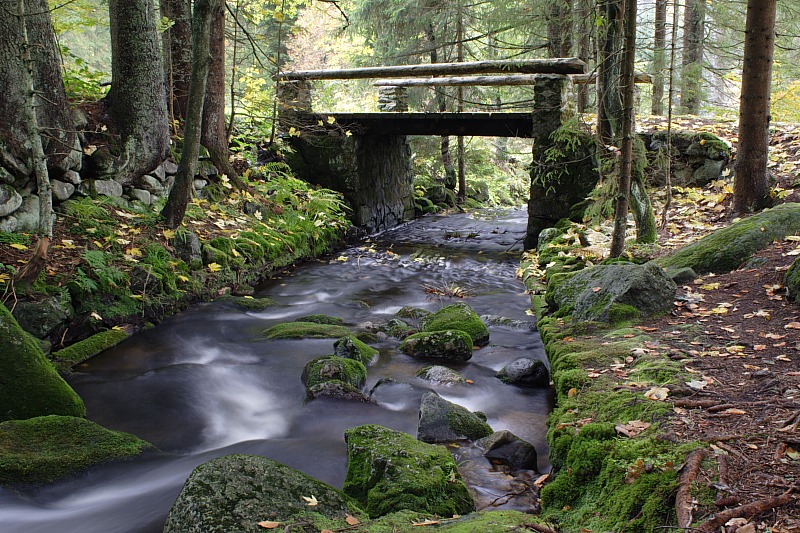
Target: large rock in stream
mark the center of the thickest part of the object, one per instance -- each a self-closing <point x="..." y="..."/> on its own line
<point x="236" y="492"/>
<point x="390" y="471"/>
<point x="458" y="316"/>
<point x="613" y="293"/>
<point x="443" y="421"/>
<point x="29" y="383"/>
<point x="448" y="345"/>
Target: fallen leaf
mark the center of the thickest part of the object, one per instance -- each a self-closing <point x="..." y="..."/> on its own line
<point x="597" y="289"/>
<point x="572" y="392"/>
<point x="426" y="523"/>
<point x="792" y="325"/>
<point x="266" y="524"/>
<point x="214" y="267"/>
<point x="540" y="480"/>
<point x="657" y="393"/>
<point x="18" y="246"/>
<point x="168" y="233"/>
<point x="632" y="428"/>
<point x="784" y="358"/>
<point x="352" y="520"/>
<point x="710" y="286"/>
<point x="312" y="501"/>
<point x="734" y="411"/>
<point x="696" y="384"/>
<point x="760" y="347"/>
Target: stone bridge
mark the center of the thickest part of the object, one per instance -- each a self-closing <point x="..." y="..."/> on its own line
<point x="367" y="157"/>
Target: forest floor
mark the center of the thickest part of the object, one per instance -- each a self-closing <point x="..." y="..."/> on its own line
<point x="744" y="349"/>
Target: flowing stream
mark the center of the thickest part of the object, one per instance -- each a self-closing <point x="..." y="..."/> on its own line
<point x="205" y="383"/>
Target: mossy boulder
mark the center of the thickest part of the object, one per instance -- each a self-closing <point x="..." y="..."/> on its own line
<point x="440" y="375"/>
<point x="41" y="318"/>
<point x="332" y="368"/>
<point x="246" y="303"/>
<point x="443" y="421"/>
<point x="614" y="292"/>
<point x="305" y="330"/>
<point x="525" y="372"/>
<point x="89" y="347"/>
<point x="451" y="345"/>
<point x="46" y="448"/>
<point x="322" y="319"/>
<point x="29" y="383"/>
<point x="389" y="471"/>
<point x="792" y="280"/>
<point x="728" y="248"/>
<point x="336" y="390"/>
<point x="353" y="348"/>
<point x="236" y="492"/>
<point x="458" y="316"/>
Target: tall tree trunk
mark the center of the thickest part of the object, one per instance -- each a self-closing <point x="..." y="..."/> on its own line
<point x="751" y="181"/>
<point x="138" y="105"/>
<point x="559" y="28"/>
<point x="450" y="179"/>
<point x="177" y="46"/>
<point x="215" y="135"/>
<point x="585" y="27"/>
<point x="28" y="274"/>
<point x="659" y="57"/>
<point x="181" y="193"/>
<point x="609" y="42"/>
<point x="462" y="163"/>
<point x="626" y="149"/>
<point x="694" y="15"/>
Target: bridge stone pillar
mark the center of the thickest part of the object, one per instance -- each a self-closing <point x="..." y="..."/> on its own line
<point x="562" y="174"/>
<point x="294" y="97"/>
<point x="374" y="172"/>
<point x="393" y="98"/>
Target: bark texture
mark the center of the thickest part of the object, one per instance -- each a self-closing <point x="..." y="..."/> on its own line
<point x="181" y="192"/>
<point x="559" y="28"/>
<point x="138" y="105"/>
<point x="177" y="46"/>
<point x="450" y="178"/>
<point x="751" y="182"/>
<point x="609" y="99"/>
<point x="659" y="57"/>
<point x="694" y="16"/>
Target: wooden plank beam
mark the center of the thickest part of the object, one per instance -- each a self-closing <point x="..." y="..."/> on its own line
<point x="584" y="79"/>
<point x="513" y="66"/>
<point x="518" y="79"/>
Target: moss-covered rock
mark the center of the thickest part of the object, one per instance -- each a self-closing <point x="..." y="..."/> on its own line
<point x="336" y="390"/>
<point x="305" y="330"/>
<point x="332" y="368"/>
<point x="246" y="303"/>
<point x="458" y="316"/>
<point x="440" y="375"/>
<point x="451" y="345"/>
<point x="443" y="421"/>
<point x="353" y="348"/>
<point x="612" y="293"/>
<point x="322" y="319"/>
<point x="29" y="384"/>
<point x="89" y="347"/>
<point x="410" y="521"/>
<point x="236" y="492"/>
<point x="46" y="448"/>
<point x="388" y="471"/>
<point x="728" y="248"/>
<point x="41" y="318"/>
<point x="792" y="280"/>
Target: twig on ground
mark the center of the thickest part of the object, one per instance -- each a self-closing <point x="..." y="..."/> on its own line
<point x="683" y="499"/>
<point x="751" y="509"/>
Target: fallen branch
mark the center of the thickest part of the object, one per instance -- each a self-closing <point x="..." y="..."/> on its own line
<point x="751" y="509"/>
<point x="696" y="404"/>
<point x="683" y="499"/>
<point x="540" y="529"/>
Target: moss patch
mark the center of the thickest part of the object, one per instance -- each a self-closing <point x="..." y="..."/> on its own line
<point x="305" y="330"/>
<point x="459" y="316"/>
<point x="43" y="449"/>
<point x="454" y="345"/>
<point x="248" y="304"/>
<point x="332" y="368"/>
<point x="83" y="350"/>
<point x="353" y="348"/>
<point x="322" y="319"/>
<point x="29" y="384"/>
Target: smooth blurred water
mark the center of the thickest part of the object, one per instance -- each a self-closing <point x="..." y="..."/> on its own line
<point x="205" y="383"/>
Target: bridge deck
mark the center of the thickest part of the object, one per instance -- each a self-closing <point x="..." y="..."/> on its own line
<point x="467" y="124"/>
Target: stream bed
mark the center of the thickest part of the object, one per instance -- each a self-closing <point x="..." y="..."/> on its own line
<point x="206" y="383"/>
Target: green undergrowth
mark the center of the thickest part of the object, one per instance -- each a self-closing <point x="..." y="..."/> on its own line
<point x="604" y="480"/>
<point x="411" y="521"/>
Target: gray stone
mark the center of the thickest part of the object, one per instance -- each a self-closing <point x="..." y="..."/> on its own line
<point x="141" y="195"/>
<point x="170" y="167"/>
<point x="28" y="215"/>
<point x="72" y="176"/>
<point x="62" y="191"/>
<point x="41" y="318"/>
<point x="682" y="275"/>
<point x="8" y="224"/>
<point x="440" y="375"/>
<point x="160" y="173"/>
<point x="102" y="162"/>
<point x="187" y="246"/>
<point x="79" y="118"/>
<point x="199" y="185"/>
<point x="546" y="236"/>
<point x="150" y="184"/>
<point x="336" y="390"/>
<point x="443" y="421"/>
<point x="10" y="200"/>
<point x="6" y="176"/>
<point x="109" y="188"/>
<point x="511" y="450"/>
<point x="511" y="323"/>
<point x="236" y="492"/>
<point x="612" y="292"/>
<point x="525" y="372"/>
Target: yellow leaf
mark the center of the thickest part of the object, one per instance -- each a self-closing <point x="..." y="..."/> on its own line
<point x="279" y="16"/>
<point x="168" y="233"/>
<point x="710" y="286"/>
<point x="18" y="246"/>
<point x="183" y="278"/>
<point x="134" y="252"/>
<point x="331" y="119"/>
<point x="720" y="310"/>
<point x="137" y="296"/>
<point x="348" y="133"/>
<point x="312" y="501"/>
<point x="235" y="252"/>
<point x="352" y="520"/>
<point x="214" y="267"/>
<point x="426" y="523"/>
<point x="266" y="524"/>
<point x="657" y="393"/>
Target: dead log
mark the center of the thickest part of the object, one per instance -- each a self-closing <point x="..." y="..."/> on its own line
<point x="751" y="509"/>
<point x="683" y="499"/>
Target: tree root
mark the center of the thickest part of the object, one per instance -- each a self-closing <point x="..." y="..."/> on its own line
<point x="683" y="499"/>
<point x="751" y="509"/>
<point x="540" y="529"/>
